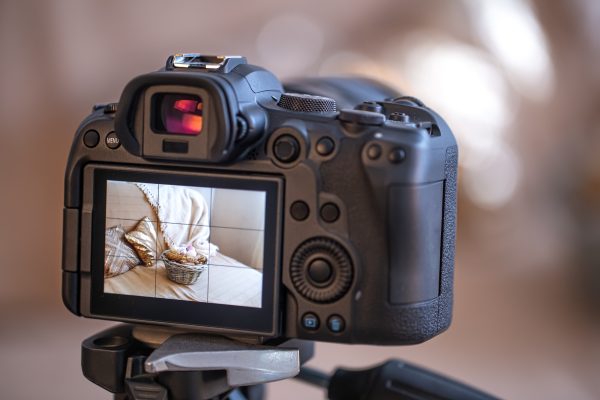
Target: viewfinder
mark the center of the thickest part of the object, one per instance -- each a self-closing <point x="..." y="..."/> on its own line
<point x="177" y="114"/>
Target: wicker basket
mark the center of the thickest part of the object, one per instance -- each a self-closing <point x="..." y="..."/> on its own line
<point x="185" y="274"/>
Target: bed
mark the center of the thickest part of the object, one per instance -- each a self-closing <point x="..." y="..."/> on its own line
<point x="226" y="280"/>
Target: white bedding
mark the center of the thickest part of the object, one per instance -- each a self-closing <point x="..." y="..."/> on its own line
<point x="225" y="281"/>
<point x="186" y="218"/>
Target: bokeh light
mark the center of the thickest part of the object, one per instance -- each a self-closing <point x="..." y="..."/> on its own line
<point x="511" y="31"/>
<point x="291" y="43"/>
<point x="463" y="82"/>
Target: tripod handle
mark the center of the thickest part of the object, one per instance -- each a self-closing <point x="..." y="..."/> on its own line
<point x="397" y="380"/>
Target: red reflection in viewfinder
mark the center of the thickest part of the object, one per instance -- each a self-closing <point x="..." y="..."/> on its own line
<point x="191" y="123"/>
<point x="186" y="105"/>
<point x="182" y="114"/>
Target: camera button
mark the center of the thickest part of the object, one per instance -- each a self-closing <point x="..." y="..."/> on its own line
<point x="330" y="212"/>
<point x="320" y="271"/>
<point x="372" y="106"/>
<point x="310" y="321"/>
<point x="374" y="151"/>
<point x="112" y="141"/>
<point x="397" y="155"/>
<point x="299" y="210"/>
<point x="91" y="138"/>
<point x="325" y="146"/>
<point x="400" y="117"/>
<point x="336" y="324"/>
<point x="286" y="149"/>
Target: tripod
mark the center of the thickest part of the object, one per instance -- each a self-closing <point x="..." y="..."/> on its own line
<point x="137" y="363"/>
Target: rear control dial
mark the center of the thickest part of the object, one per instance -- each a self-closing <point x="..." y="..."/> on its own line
<point x="321" y="270"/>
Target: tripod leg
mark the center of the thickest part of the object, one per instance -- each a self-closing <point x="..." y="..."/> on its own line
<point x="392" y="380"/>
<point x="397" y="380"/>
<point x="254" y="392"/>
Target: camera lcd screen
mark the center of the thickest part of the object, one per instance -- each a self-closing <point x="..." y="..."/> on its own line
<point x="185" y="248"/>
<point x="178" y="113"/>
<point x="187" y="243"/>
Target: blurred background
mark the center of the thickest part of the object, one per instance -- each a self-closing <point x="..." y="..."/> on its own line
<point x="517" y="80"/>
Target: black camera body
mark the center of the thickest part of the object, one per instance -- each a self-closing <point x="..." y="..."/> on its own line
<point x="273" y="214"/>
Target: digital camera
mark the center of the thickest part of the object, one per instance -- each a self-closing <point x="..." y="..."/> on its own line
<point x="210" y="199"/>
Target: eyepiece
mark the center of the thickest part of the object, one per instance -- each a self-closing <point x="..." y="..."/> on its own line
<point x="192" y="110"/>
<point x="177" y="114"/>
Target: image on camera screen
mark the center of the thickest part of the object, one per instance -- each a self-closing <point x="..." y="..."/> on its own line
<point x="189" y="243"/>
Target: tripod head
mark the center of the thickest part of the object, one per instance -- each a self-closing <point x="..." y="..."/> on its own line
<point x="149" y="363"/>
<point x="136" y="362"/>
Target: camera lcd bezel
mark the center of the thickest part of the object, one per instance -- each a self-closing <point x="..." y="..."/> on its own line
<point x="209" y="316"/>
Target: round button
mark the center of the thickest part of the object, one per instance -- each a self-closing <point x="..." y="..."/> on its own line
<point x="336" y="324"/>
<point x="325" y="146"/>
<point x="397" y="155"/>
<point x="286" y="149"/>
<point x="91" y="138"/>
<point x="374" y="151"/>
<point x="400" y="117"/>
<point x="330" y="212"/>
<point x="310" y="321"/>
<point x="320" y="271"/>
<point x="299" y="210"/>
<point x="372" y="106"/>
<point x="112" y="141"/>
